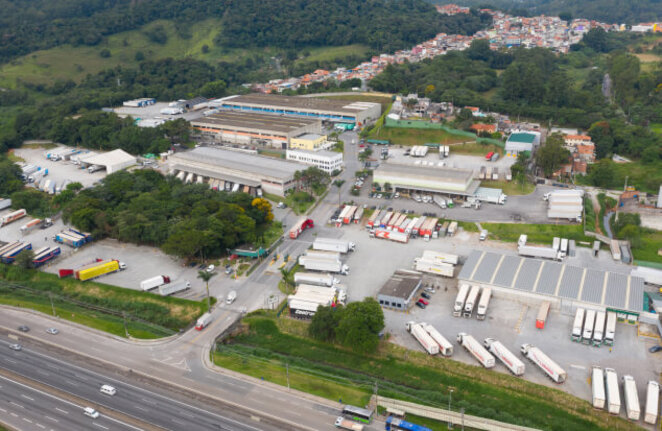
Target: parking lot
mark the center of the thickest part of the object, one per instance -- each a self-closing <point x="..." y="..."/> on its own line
<point x="510" y="321"/>
<point x="59" y="171"/>
<point x="459" y="161"/>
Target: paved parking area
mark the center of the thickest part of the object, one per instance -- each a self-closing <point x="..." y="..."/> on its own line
<point x="460" y="161"/>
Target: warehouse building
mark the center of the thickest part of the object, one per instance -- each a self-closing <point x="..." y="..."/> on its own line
<point x="307" y="107"/>
<point x="328" y="161"/>
<point x="450" y="181"/>
<point x="522" y="141"/>
<point x="310" y="142"/>
<point x="234" y="170"/>
<point x="112" y="161"/>
<point x="566" y="286"/>
<point x="399" y="290"/>
<point x="254" y="127"/>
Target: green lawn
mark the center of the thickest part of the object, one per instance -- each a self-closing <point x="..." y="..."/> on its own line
<point x="651" y="242"/>
<point x="510" y="188"/>
<point x="656" y="127"/>
<point x="268" y="344"/>
<point x="644" y="177"/>
<point x="536" y="233"/>
<point x="475" y="149"/>
<point x="334" y="52"/>
<point x="402" y="136"/>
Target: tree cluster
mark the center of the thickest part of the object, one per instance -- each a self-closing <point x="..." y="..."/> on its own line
<point x="356" y="326"/>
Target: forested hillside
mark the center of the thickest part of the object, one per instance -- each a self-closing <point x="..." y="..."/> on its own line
<point x="609" y="11"/>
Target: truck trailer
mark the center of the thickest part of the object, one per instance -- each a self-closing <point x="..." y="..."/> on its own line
<point x="64" y="238"/>
<point x="390" y="235"/>
<point x="172" y="288"/>
<point x="589" y="322"/>
<point x="652" y="402"/>
<point x="461" y="297"/>
<point x="599" y="328"/>
<point x="551" y="368"/>
<point x="484" y="302"/>
<point x="506" y="356"/>
<point x="9" y="256"/>
<point x="542" y="252"/>
<point x="154" y="282"/>
<point x="203" y="321"/>
<point x="332" y="244"/>
<point x="598" y="388"/>
<point x="474" y="347"/>
<point x="445" y="346"/>
<point x="97" y="269"/>
<point x="373" y="218"/>
<point x="578" y="325"/>
<point x="543" y="312"/>
<point x="440" y="257"/>
<point x="610" y="328"/>
<point x="472" y="297"/>
<point x="300" y="226"/>
<point x="12" y="216"/>
<point x="632" y="406"/>
<point x="46" y="255"/>
<point x="346" y="424"/>
<point x="314" y="278"/>
<point x="317" y="254"/>
<point x="422" y="336"/>
<point x="443" y="269"/>
<point x="323" y="265"/>
<point x="613" y="393"/>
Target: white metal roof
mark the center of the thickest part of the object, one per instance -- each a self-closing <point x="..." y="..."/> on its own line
<point x="115" y="157"/>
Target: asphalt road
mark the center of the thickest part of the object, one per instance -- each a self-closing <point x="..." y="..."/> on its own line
<point x="148" y="406"/>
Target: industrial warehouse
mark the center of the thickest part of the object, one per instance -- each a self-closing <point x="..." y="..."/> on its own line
<point x="458" y="182"/>
<point x="234" y="170"/>
<point x="248" y="127"/>
<point x="400" y="289"/>
<point x="562" y="283"/>
<point x="322" y="109"/>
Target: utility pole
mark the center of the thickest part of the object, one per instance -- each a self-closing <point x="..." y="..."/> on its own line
<point x="126" y="330"/>
<point x="50" y="295"/>
<point x="625" y="187"/>
<point x="450" y="422"/>
<point x="287" y="372"/>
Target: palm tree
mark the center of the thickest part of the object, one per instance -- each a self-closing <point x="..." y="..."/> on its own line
<point x="288" y="278"/>
<point x="206" y="276"/>
<point x="338" y="184"/>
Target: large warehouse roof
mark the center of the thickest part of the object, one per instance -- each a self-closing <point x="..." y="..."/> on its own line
<point x="303" y="103"/>
<point x="238" y="161"/>
<point x="591" y="286"/>
<point x="113" y="160"/>
<point x="433" y="179"/>
<point x="254" y="122"/>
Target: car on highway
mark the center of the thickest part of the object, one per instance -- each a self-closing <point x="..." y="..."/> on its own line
<point x="89" y="411"/>
<point x="15" y="346"/>
<point x="24" y="328"/>
<point x="108" y="390"/>
<point x="52" y="331"/>
<point x="423" y="301"/>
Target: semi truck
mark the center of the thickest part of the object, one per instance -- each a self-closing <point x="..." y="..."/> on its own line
<point x="472" y="297"/>
<point x="323" y="265"/>
<point x="484" y="302"/>
<point x="632" y="406"/>
<point x="445" y="346"/>
<point x="443" y="269"/>
<point x="610" y="328"/>
<point x="598" y="388"/>
<point x="452" y="229"/>
<point x="331" y="244"/>
<point x="506" y="356"/>
<point x="390" y="235"/>
<point x="652" y="402"/>
<point x="172" y="288"/>
<point x="564" y="247"/>
<point x="599" y="328"/>
<point x="12" y="216"/>
<point x="326" y="280"/>
<point x="418" y="331"/>
<point x="64" y="238"/>
<point x="203" y="321"/>
<point x="543" y="312"/>
<point x="474" y="347"/>
<point x="97" y="269"/>
<point x="613" y="393"/>
<point x="578" y="325"/>
<point x="300" y="226"/>
<point x="154" y="282"/>
<point x="542" y="252"/>
<point x="346" y="424"/>
<point x="551" y="368"/>
<point x="29" y="226"/>
<point x="461" y="297"/>
<point x="589" y="322"/>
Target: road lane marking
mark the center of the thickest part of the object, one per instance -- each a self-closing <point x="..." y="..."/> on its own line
<point x="27" y="397"/>
<point x="41" y="426"/>
<point x="182" y="412"/>
<point x="53" y="419"/>
<point x="141" y="408"/>
<point x="3" y="410"/>
<point x="81" y="377"/>
<point x="11" y="360"/>
<point x="16" y="404"/>
<point x="148" y="401"/>
<point x="61" y="411"/>
<point x="72" y="383"/>
<point x="178" y="421"/>
<point x="27" y="420"/>
<point x="99" y="425"/>
<point x="579" y="367"/>
<point x="13" y="414"/>
<point x="43" y="373"/>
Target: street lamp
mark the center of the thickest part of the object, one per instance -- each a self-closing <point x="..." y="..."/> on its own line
<point x="450" y="395"/>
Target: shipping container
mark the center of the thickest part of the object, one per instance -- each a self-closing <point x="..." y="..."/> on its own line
<point x="598" y="386"/>
<point x="543" y="312"/>
<point x="578" y="325"/>
<point x="613" y="392"/>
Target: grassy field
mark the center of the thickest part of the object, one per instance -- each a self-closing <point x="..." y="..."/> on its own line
<point x="651" y="242"/>
<point x="475" y="149"/>
<point x="511" y="188"/>
<point x="536" y="233"/>
<point x="644" y="177"/>
<point x="656" y="127"/>
<point x="401" y="136"/>
<point x="334" y="52"/>
<point x="266" y="344"/>
<point x="98" y="305"/>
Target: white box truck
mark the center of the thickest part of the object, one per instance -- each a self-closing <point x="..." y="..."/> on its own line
<point x="599" y="328"/>
<point x="445" y="346"/>
<point x="484" y="302"/>
<point x="589" y="322"/>
<point x="613" y="393"/>
<point x="610" y="328"/>
<point x="542" y="252"/>
<point x="632" y="406"/>
<point x="154" y="282"/>
<point x="652" y="402"/>
<point x="578" y="325"/>
<point x="471" y="301"/>
<point x="598" y="388"/>
<point x="422" y="336"/>
<point x="474" y="347"/>
<point x="551" y="368"/>
<point x="203" y="321"/>
<point x="506" y="356"/>
<point x="556" y="243"/>
<point x="332" y="244"/>
<point x="564" y="247"/>
<point x="462" y="293"/>
<point x="317" y="279"/>
<point x="323" y="265"/>
<point x="346" y="424"/>
<point x="319" y="254"/>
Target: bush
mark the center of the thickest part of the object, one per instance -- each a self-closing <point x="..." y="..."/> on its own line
<point x="104" y="53"/>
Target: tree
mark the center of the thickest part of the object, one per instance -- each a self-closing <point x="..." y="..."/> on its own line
<point x="24" y="259"/>
<point x="360" y="325"/>
<point x="206" y="276"/>
<point x="288" y="278"/>
<point x="324" y="323"/>
<point x="552" y="155"/>
<point x="262" y="210"/>
<point x="338" y="184"/>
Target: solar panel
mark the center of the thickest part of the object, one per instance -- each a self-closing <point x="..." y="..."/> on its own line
<point x="549" y="278"/>
<point x="572" y="277"/>
<point x="527" y="274"/>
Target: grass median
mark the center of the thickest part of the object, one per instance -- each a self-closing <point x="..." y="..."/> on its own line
<point x="108" y="308"/>
<point x="269" y="348"/>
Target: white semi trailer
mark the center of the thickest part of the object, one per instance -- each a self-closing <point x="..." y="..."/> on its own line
<point x="323" y="265"/>
<point x="589" y="322"/>
<point x="551" y="368"/>
<point x="632" y="406"/>
<point x="422" y="336"/>
<point x="613" y="393"/>
<point x="578" y="325"/>
<point x="506" y="356"/>
<point x="443" y="269"/>
<point x="610" y="329"/>
<point x="332" y="244"/>
<point x="542" y="252"/>
<point x="652" y="402"/>
<point x="471" y="301"/>
<point x="459" y="299"/>
<point x="484" y="302"/>
<point x="598" y="387"/>
<point x="317" y="279"/>
<point x="599" y="328"/>
<point x="445" y="346"/>
<point x="474" y="347"/>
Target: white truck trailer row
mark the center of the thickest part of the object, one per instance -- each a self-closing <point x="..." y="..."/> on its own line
<point x="461" y="297"/>
<point x="476" y="349"/>
<point x="315" y="278"/>
<point x="422" y="336"/>
<point x="594" y="327"/>
<point x="506" y="356"/>
<point x="472" y="298"/>
<point x="323" y="265"/>
<point x="332" y="244"/>
<point x="598" y="388"/>
<point x="549" y="367"/>
<point x="445" y="346"/>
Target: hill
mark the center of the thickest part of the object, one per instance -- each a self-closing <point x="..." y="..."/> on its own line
<point x="609" y="11"/>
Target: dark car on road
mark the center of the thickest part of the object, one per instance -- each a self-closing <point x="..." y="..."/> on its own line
<point x="24" y="328"/>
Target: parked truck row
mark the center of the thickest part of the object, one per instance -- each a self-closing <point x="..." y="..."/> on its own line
<point x="594" y="327"/>
<point x="11" y="250"/>
<point x="470" y="298"/>
<point x="430" y="339"/>
<point x="606" y="394"/>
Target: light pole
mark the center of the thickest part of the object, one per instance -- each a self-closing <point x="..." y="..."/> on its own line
<point x="450" y="395"/>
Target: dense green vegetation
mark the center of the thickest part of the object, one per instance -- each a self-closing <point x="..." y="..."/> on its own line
<point x="328" y="370"/>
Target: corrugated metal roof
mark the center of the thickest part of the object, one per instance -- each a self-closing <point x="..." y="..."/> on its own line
<point x="636" y="293"/>
<point x="549" y="278"/>
<point x="615" y="293"/>
<point x="486" y="268"/>
<point x="470" y="265"/>
<point x="570" y="283"/>
<point x="506" y="273"/>
<point x="527" y="274"/>
<point x="593" y="286"/>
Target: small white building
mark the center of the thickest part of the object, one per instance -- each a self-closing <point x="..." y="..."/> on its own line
<point x="328" y="161"/>
<point x="113" y="161"/>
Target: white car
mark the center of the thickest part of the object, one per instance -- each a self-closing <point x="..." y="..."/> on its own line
<point x="89" y="411"/>
<point x="53" y="331"/>
<point x="210" y="268"/>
